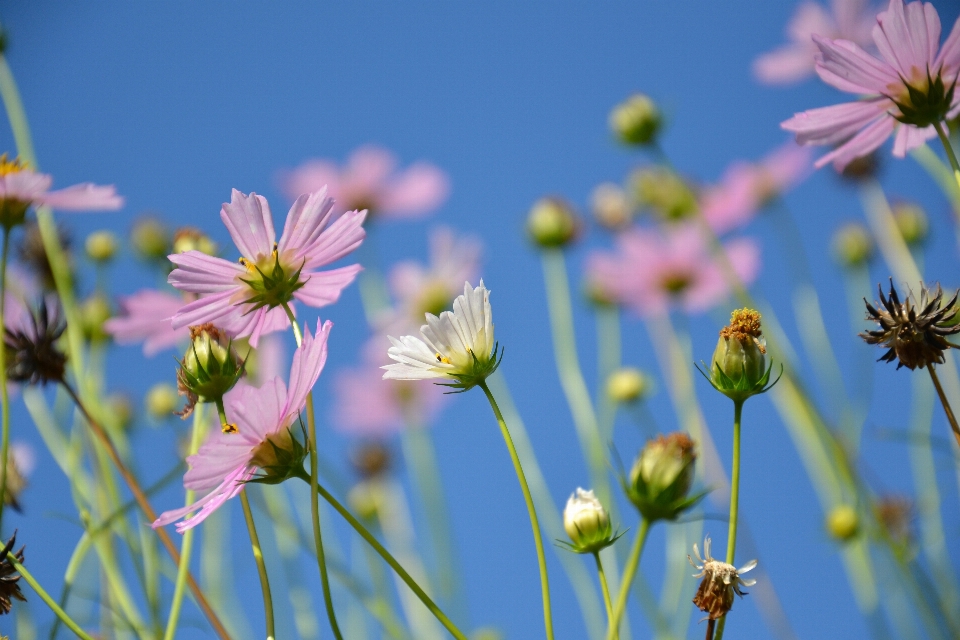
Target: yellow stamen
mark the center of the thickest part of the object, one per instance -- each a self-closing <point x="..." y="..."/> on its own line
<point x="11" y="166"/>
<point x="229" y="427"/>
<point x="443" y="359"/>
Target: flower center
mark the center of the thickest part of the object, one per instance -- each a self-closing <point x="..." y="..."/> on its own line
<point x="675" y="283"/>
<point x="265" y="454"/>
<point x="434" y="299"/>
<point x="271" y="279"/>
<point x="11" y="166"/>
<point x="923" y="99"/>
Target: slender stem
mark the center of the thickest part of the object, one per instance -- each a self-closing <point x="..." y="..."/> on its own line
<point x="186" y="546"/>
<point x="261" y="566"/>
<point x="314" y="504"/>
<point x="711" y="624"/>
<point x="734" y="483"/>
<point x="633" y="562"/>
<point x="946" y="404"/>
<point x="389" y="559"/>
<point x="4" y="392"/>
<point x="604" y="588"/>
<point x="148" y="511"/>
<point x="531" y="509"/>
<point x="949" y="149"/>
<point x="60" y="613"/>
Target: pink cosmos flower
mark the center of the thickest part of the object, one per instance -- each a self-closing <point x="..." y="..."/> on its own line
<point x="747" y="187"/>
<point x="27" y="187"/>
<point x="908" y="89"/>
<point x="652" y="270"/>
<point x="246" y="297"/>
<point x="370" y="181"/>
<point x="226" y="461"/>
<point x="850" y="20"/>
<point x="147" y="316"/>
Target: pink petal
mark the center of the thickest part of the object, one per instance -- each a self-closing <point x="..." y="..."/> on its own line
<point x="836" y="123"/>
<point x="308" y="362"/>
<point x="340" y="238"/>
<point x="786" y="65"/>
<point x="26" y="186"/>
<point x="250" y="223"/>
<point x="257" y="412"/>
<point x="860" y="145"/>
<point x="209" y="308"/>
<point x="83" y="197"/>
<point x="207" y="504"/>
<point x="146" y="315"/>
<point x="305" y="221"/>
<point x="324" y="287"/>
<point x="311" y="176"/>
<point x="416" y="191"/>
<point x="197" y="272"/>
<point x="849" y="68"/>
<point x="949" y="55"/>
<point x="909" y="137"/>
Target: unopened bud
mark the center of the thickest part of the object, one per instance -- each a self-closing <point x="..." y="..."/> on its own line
<point x="121" y="410"/>
<point x="94" y="312"/>
<point x="370" y="459"/>
<point x="611" y="207"/>
<point x="861" y="169"/>
<point x="843" y="523"/>
<point x="587" y="523"/>
<point x="101" y="246"/>
<point x="739" y="368"/>
<point x="364" y="499"/>
<point x="636" y="121"/>
<point x="192" y="239"/>
<point x="852" y="245"/>
<point x="911" y="221"/>
<point x="661" y="477"/>
<point x="552" y="223"/>
<point x="161" y="401"/>
<point x="150" y="238"/>
<point x="663" y="191"/>
<point x="627" y="384"/>
<point x="209" y="368"/>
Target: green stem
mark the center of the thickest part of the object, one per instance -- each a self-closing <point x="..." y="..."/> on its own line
<point x="4" y="392"/>
<point x="946" y="404"/>
<point x="604" y="588"/>
<point x="734" y="499"/>
<point x="633" y="562"/>
<point x="314" y="505"/>
<point x="261" y="566"/>
<point x="535" y="525"/>
<point x="388" y="558"/>
<point x="949" y="149"/>
<point x="186" y="546"/>
<point x="60" y="613"/>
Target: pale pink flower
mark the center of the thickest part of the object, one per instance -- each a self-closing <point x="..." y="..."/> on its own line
<point x="747" y="187"/>
<point x="908" y="39"/>
<point x="28" y="187"/>
<point x="226" y="461"/>
<point x="370" y="181"/>
<point x="245" y="297"/>
<point x="654" y="269"/>
<point x="850" y="20"/>
<point x="147" y="316"/>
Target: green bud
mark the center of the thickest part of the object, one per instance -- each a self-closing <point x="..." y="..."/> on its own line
<point x="843" y="523"/>
<point x="121" y="410"/>
<point x="161" y="401"/>
<point x="627" y="384"/>
<point x="664" y="192"/>
<point x="364" y="499"/>
<point x="636" y="121"/>
<point x="661" y="477"/>
<point x="94" y="312"/>
<point x="587" y="523"/>
<point x="150" y="238"/>
<point x="852" y="245"/>
<point x="739" y="365"/>
<point x="911" y="221"/>
<point x="210" y="367"/>
<point x="192" y="239"/>
<point x="552" y="223"/>
<point x="611" y="207"/>
<point x="101" y="246"/>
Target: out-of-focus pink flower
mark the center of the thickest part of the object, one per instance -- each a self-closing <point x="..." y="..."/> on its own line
<point x="246" y="297"/>
<point x="907" y="38"/>
<point x="26" y="186"/>
<point x="368" y="406"/>
<point x="747" y="187"/>
<point x="850" y="20"/>
<point x="370" y="181"/>
<point x="147" y="316"/>
<point x="227" y="460"/>
<point x="652" y="270"/>
<point x="420" y="289"/>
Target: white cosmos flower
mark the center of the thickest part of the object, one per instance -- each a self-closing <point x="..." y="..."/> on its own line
<point x="458" y="345"/>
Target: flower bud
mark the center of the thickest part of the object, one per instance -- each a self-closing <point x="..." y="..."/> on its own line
<point x="852" y="245"/>
<point x="911" y="221"/>
<point x="552" y="223"/>
<point x="739" y="365"/>
<point x="94" y="312"/>
<point x="661" y="477"/>
<point x="843" y="523"/>
<point x="370" y="459"/>
<point x="209" y="368"/>
<point x="611" y="207"/>
<point x="150" y="238"/>
<point x="862" y="169"/>
<point x="364" y="499"/>
<point x="101" y="246"/>
<point x="663" y="191"/>
<point x="161" y="401"/>
<point x="627" y="384"/>
<point x="587" y="522"/>
<point x="192" y="239"/>
<point x="121" y="410"/>
<point x="635" y="121"/>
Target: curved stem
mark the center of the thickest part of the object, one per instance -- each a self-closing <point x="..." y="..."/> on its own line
<point x="60" y="613"/>
<point x="531" y="509"/>
<point x="389" y="559"/>
<point x="633" y="562"/>
<point x="186" y="547"/>
<point x="945" y="140"/>
<point x="314" y="505"/>
<point x="261" y="566"/>
<point x="604" y="588"/>
<point x="946" y="404"/>
<point x="4" y="392"/>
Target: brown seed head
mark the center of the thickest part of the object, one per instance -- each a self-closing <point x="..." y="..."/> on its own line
<point x="9" y="578"/>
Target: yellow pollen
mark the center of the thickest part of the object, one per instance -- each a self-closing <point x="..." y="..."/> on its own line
<point x="443" y="359"/>
<point x="11" y="166"/>
<point x="229" y="427"/>
<point x="250" y="266"/>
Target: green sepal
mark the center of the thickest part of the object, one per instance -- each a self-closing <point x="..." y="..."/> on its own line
<point x="740" y="389"/>
<point x="289" y="461"/>
<point x="668" y="504"/>
<point x="212" y="382"/>
<point x="594" y="547"/>
<point x="478" y="373"/>
<point x="273" y="290"/>
<point x="925" y="108"/>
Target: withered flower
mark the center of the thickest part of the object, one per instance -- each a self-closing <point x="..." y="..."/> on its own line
<point x="9" y="578"/>
<point x="33" y="254"/>
<point x="914" y="331"/>
<point x="720" y="582"/>
<point x="370" y="459"/>
<point x="32" y="353"/>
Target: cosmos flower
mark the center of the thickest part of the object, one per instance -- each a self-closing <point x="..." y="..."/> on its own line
<point x="850" y="20"/>
<point x="147" y="316"/>
<point x="748" y="187"/>
<point x="247" y="297"/>
<point x="720" y="582"/>
<point x="906" y="91"/>
<point x="457" y="345"/>
<point x="264" y="417"/>
<point x="33" y="356"/>
<point x="651" y="270"/>
<point x="370" y="181"/>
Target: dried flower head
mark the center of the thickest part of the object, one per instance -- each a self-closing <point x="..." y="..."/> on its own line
<point x="894" y="514"/>
<point x="720" y="582"/>
<point x="915" y="330"/>
<point x="370" y="459"/>
<point x="33" y="254"/>
<point x="32" y="353"/>
<point x="9" y="578"/>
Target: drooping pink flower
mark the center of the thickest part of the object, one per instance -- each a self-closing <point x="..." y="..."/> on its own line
<point x="850" y="20"/>
<point x="147" y="316"/>
<point x="27" y="187"/>
<point x="370" y="181"/>
<point x="907" y="89"/>
<point x="654" y="269"/>
<point x="247" y="297"/>
<point x="747" y="187"/>
<point x="262" y="415"/>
